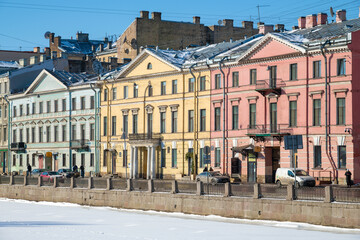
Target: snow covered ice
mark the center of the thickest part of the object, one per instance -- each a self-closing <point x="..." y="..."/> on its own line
<point x="21" y="219"/>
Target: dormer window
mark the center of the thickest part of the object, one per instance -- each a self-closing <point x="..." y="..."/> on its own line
<point x="149" y="66"/>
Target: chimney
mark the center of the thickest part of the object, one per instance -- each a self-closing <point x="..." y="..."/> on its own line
<point x="264" y="29"/>
<point x="34" y="60"/>
<point x="228" y="22"/>
<point x="57" y="41"/>
<point x="340" y="15"/>
<point x="279" y="27"/>
<point x="43" y="58"/>
<point x="196" y="20"/>
<point x="101" y="47"/>
<point x="51" y="37"/>
<point x="106" y="39"/>
<point x="321" y="18"/>
<point x="248" y="24"/>
<point x="82" y="37"/>
<point x="109" y="45"/>
<point x="295" y="27"/>
<point x="144" y="14"/>
<point x="36" y="49"/>
<point x="53" y="54"/>
<point x="259" y="24"/>
<point x="47" y="51"/>
<point x="301" y="22"/>
<point x="156" y="16"/>
<point x="311" y="21"/>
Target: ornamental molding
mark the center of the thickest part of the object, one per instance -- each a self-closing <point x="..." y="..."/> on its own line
<point x="135" y="111"/>
<point x="174" y="107"/>
<point x="162" y="108"/>
<point x="149" y="109"/>
<point x="125" y="112"/>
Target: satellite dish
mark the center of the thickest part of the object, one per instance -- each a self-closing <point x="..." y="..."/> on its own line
<point x="220" y="22"/>
<point x="133" y="43"/>
<point x="331" y="12"/>
<point x="47" y="35"/>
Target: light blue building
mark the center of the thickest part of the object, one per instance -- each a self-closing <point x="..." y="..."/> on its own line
<point x="54" y="123"/>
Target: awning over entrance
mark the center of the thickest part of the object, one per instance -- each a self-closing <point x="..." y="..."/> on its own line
<point x="245" y="149"/>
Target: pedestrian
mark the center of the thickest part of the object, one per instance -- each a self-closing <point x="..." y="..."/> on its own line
<point x="205" y="169"/>
<point x="211" y="169"/>
<point x="75" y="168"/>
<point x="348" y="177"/>
<point x="82" y="171"/>
<point x="28" y="173"/>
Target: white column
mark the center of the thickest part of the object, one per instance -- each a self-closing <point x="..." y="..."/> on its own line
<point x="153" y="176"/>
<point x="131" y="163"/>
<point x="148" y="162"/>
<point x="135" y="165"/>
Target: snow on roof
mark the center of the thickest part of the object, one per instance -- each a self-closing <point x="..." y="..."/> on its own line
<point x="70" y="79"/>
<point x="5" y="64"/>
<point x="75" y="47"/>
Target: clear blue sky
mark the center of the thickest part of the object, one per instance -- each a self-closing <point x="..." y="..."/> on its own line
<point x="24" y="22"/>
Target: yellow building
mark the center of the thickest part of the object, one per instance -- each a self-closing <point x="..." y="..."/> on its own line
<point x="153" y="100"/>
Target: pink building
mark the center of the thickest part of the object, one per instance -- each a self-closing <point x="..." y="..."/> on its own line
<point x="275" y="86"/>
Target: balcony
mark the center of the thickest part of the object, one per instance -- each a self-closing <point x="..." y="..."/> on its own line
<point x="18" y="146"/>
<point x="80" y="144"/>
<point x="154" y="138"/>
<point x="259" y="132"/>
<point x="265" y="87"/>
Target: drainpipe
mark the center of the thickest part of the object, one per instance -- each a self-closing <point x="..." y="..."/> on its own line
<point x="195" y="148"/>
<point x="224" y="111"/>
<point x="97" y="166"/>
<point x="108" y="164"/>
<point x="323" y="49"/>
<point x="70" y="135"/>
<point x="9" y="135"/>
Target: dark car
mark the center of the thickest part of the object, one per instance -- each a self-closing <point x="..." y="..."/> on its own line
<point x="66" y="172"/>
<point x="213" y="177"/>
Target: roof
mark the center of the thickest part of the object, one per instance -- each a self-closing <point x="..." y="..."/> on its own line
<point x="71" y="79"/>
<point x="5" y="64"/>
<point x="72" y="46"/>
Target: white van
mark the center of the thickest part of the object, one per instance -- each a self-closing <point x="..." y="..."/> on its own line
<point x="285" y="176"/>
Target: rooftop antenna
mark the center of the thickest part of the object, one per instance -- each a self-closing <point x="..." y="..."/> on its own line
<point x="47" y="35"/>
<point x="258" y="7"/>
<point x="220" y="22"/>
<point x="331" y="12"/>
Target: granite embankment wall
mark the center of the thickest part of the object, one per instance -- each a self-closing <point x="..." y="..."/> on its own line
<point x="322" y="213"/>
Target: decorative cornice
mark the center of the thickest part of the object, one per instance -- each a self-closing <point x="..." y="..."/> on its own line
<point x="174" y="107"/>
<point x="135" y="111"/>
<point x="162" y="108"/>
<point x="125" y="112"/>
<point x="316" y="92"/>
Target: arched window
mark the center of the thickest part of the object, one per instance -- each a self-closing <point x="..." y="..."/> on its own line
<point x="149" y="66"/>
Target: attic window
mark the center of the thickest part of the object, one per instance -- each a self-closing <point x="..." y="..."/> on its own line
<point x="149" y="66"/>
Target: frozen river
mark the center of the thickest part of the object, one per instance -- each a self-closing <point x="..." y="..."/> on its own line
<point x="43" y="220"/>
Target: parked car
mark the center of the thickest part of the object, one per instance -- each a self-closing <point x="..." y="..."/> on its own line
<point x="49" y="176"/>
<point x="37" y="172"/>
<point x="286" y="176"/>
<point x="66" y="172"/>
<point x="213" y="177"/>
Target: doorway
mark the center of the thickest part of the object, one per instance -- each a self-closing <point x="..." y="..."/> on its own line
<point x="113" y="160"/>
<point x="275" y="162"/>
<point x="252" y="167"/>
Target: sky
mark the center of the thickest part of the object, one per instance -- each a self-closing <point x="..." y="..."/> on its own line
<point x="24" y="22"/>
<point x="21" y="219"/>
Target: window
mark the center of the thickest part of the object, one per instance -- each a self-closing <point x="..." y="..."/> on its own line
<point x="217" y="157"/>
<point x="163" y="158"/>
<point x="73" y="102"/>
<point x="163" y="88"/>
<point x="174" y="158"/>
<point x="124" y="158"/>
<point x="83" y="159"/>
<point x="340" y="111"/>
<point x="14" y="111"/>
<point x="27" y="109"/>
<point x="33" y="108"/>
<point x="273" y="76"/>
<point x="293" y="113"/>
<point x="1" y="112"/>
<point x="174" y="117"/>
<point x="74" y="159"/>
<point x="202" y="83"/>
<point x="150" y="91"/>
<point x="33" y="160"/>
<point x="342" y="157"/>
<point x="341" y="67"/>
<point x="48" y="106"/>
<point x="162" y="122"/>
<point x="21" y="110"/>
<point x="33" y="134"/>
<point x="56" y="109"/>
<point x="135" y="123"/>
<point x="316" y="69"/>
<point x="317" y="156"/>
<point x="273" y="117"/>
<point x="105" y="158"/>
<point x="91" y="159"/>
<point x="14" y="135"/>
<point x="136" y="91"/>
<point x="217" y="81"/>
<point x="149" y="66"/>
<point x="125" y="124"/>
<point x="191" y="84"/>
<point x="252" y="116"/>
<point x="63" y="130"/>
<point x="92" y="131"/>
<point x="73" y="132"/>
<point x="217" y="119"/>
<point x="14" y="160"/>
<point x="126" y="92"/>
<point x="27" y="135"/>
<point x="6" y="88"/>
<point x="82" y="131"/>
<point x="21" y="160"/>
<point x="235" y="79"/>
<point x="105" y="126"/>
<point x="293" y="71"/>
<point x="82" y="103"/>
<point x="105" y="94"/>
<point x="48" y="134"/>
<point x="252" y="76"/>
<point x="235" y="117"/>
<point x="114" y="93"/>
<point x="191" y="120"/>
<point x="201" y="157"/>
<point x="202" y="120"/>
<point x="27" y="160"/>
<point x="63" y="105"/>
<point x="113" y="125"/>
<point x="92" y="102"/>
<point x="5" y="134"/>
<point x="316" y="112"/>
<point x="64" y="160"/>
<point x="40" y="134"/>
<point x="56" y="133"/>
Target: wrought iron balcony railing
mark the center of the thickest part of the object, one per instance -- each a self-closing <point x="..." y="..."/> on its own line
<point x="80" y="143"/>
<point x="269" y="129"/>
<point x="18" y="146"/>
<point x="144" y="136"/>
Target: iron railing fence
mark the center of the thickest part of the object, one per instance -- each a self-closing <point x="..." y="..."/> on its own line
<point x="162" y="186"/>
<point x="18" y="180"/>
<point x="269" y="129"/>
<point x="81" y="183"/>
<point x="187" y="187"/>
<point x="99" y="183"/>
<point x="119" y="184"/>
<point x="5" y="179"/>
<point x="47" y="182"/>
<point x="214" y="189"/>
<point x="65" y="183"/>
<point x="144" y="136"/>
<point x="273" y="191"/>
<point x="32" y="181"/>
<point x="269" y="84"/>
<point x="342" y="194"/>
<point x="242" y="190"/>
<point x="310" y="193"/>
<point x="140" y="185"/>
